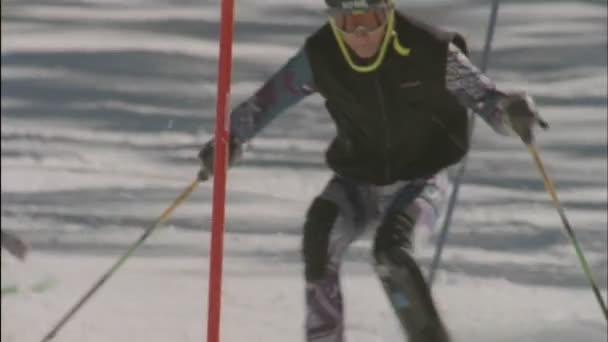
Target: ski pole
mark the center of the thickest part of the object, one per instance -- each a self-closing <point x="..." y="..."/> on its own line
<point x="166" y="213"/>
<point x="562" y="214"/>
<point x="460" y="174"/>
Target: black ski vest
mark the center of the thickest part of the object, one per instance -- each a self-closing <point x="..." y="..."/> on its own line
<point x="397" y="122"/>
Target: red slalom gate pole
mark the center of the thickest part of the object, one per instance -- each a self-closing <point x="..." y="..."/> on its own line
<point x="220" y="162"/>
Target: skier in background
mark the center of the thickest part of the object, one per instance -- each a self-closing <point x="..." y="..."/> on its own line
<point x="398" y="91"/>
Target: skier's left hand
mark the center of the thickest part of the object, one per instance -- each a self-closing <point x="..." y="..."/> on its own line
<point x="521" y="115"/>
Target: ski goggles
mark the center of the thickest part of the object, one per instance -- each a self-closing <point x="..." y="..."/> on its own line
<point x="366" y="20"/>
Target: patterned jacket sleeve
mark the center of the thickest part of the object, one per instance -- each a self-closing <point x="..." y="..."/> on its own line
<point x="289" y="85"/>
<point x="474" y="89"/>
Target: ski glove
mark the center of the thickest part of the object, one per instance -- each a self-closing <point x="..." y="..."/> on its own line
<point x="206" y="157"/>
<point x="14" y="245"/>
<point x="520" y="113"/>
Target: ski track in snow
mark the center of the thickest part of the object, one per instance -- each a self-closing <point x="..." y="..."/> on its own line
<point x="104" y="107"/>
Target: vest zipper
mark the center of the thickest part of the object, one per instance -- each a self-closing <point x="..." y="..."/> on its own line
<point x="387" y="138"/>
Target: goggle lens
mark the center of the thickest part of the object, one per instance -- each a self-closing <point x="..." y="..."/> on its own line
<point x="368" y="21"/>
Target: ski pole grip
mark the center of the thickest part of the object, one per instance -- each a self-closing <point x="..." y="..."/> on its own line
<point x="203" y="174"/>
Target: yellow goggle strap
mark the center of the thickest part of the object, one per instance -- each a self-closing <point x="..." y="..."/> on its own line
<point x="371" y="67"/>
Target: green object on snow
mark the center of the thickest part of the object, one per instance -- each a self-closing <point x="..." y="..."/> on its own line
<point x="12" y="289"/>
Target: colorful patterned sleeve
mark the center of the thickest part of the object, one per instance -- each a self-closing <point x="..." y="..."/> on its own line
<point x="474" y="89"/>
<point x="289" y="85"/>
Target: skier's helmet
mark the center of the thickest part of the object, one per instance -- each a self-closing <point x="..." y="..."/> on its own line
<point x="357" y="5"/>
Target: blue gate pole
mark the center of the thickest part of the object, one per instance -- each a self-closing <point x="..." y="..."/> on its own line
<point x="460" y="174"/>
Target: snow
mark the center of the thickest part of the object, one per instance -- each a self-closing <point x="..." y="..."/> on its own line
<point x="104" y="107"/>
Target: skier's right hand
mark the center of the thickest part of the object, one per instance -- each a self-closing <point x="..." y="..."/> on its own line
<point x="206" y="157"/>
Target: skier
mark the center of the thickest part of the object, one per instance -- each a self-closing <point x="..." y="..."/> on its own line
<point x="397" y="90"/>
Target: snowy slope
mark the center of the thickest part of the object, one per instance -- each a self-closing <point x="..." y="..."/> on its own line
<point x="105" y="104"/>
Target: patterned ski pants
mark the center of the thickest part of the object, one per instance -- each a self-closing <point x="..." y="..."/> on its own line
<point x="341" y="214"/>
